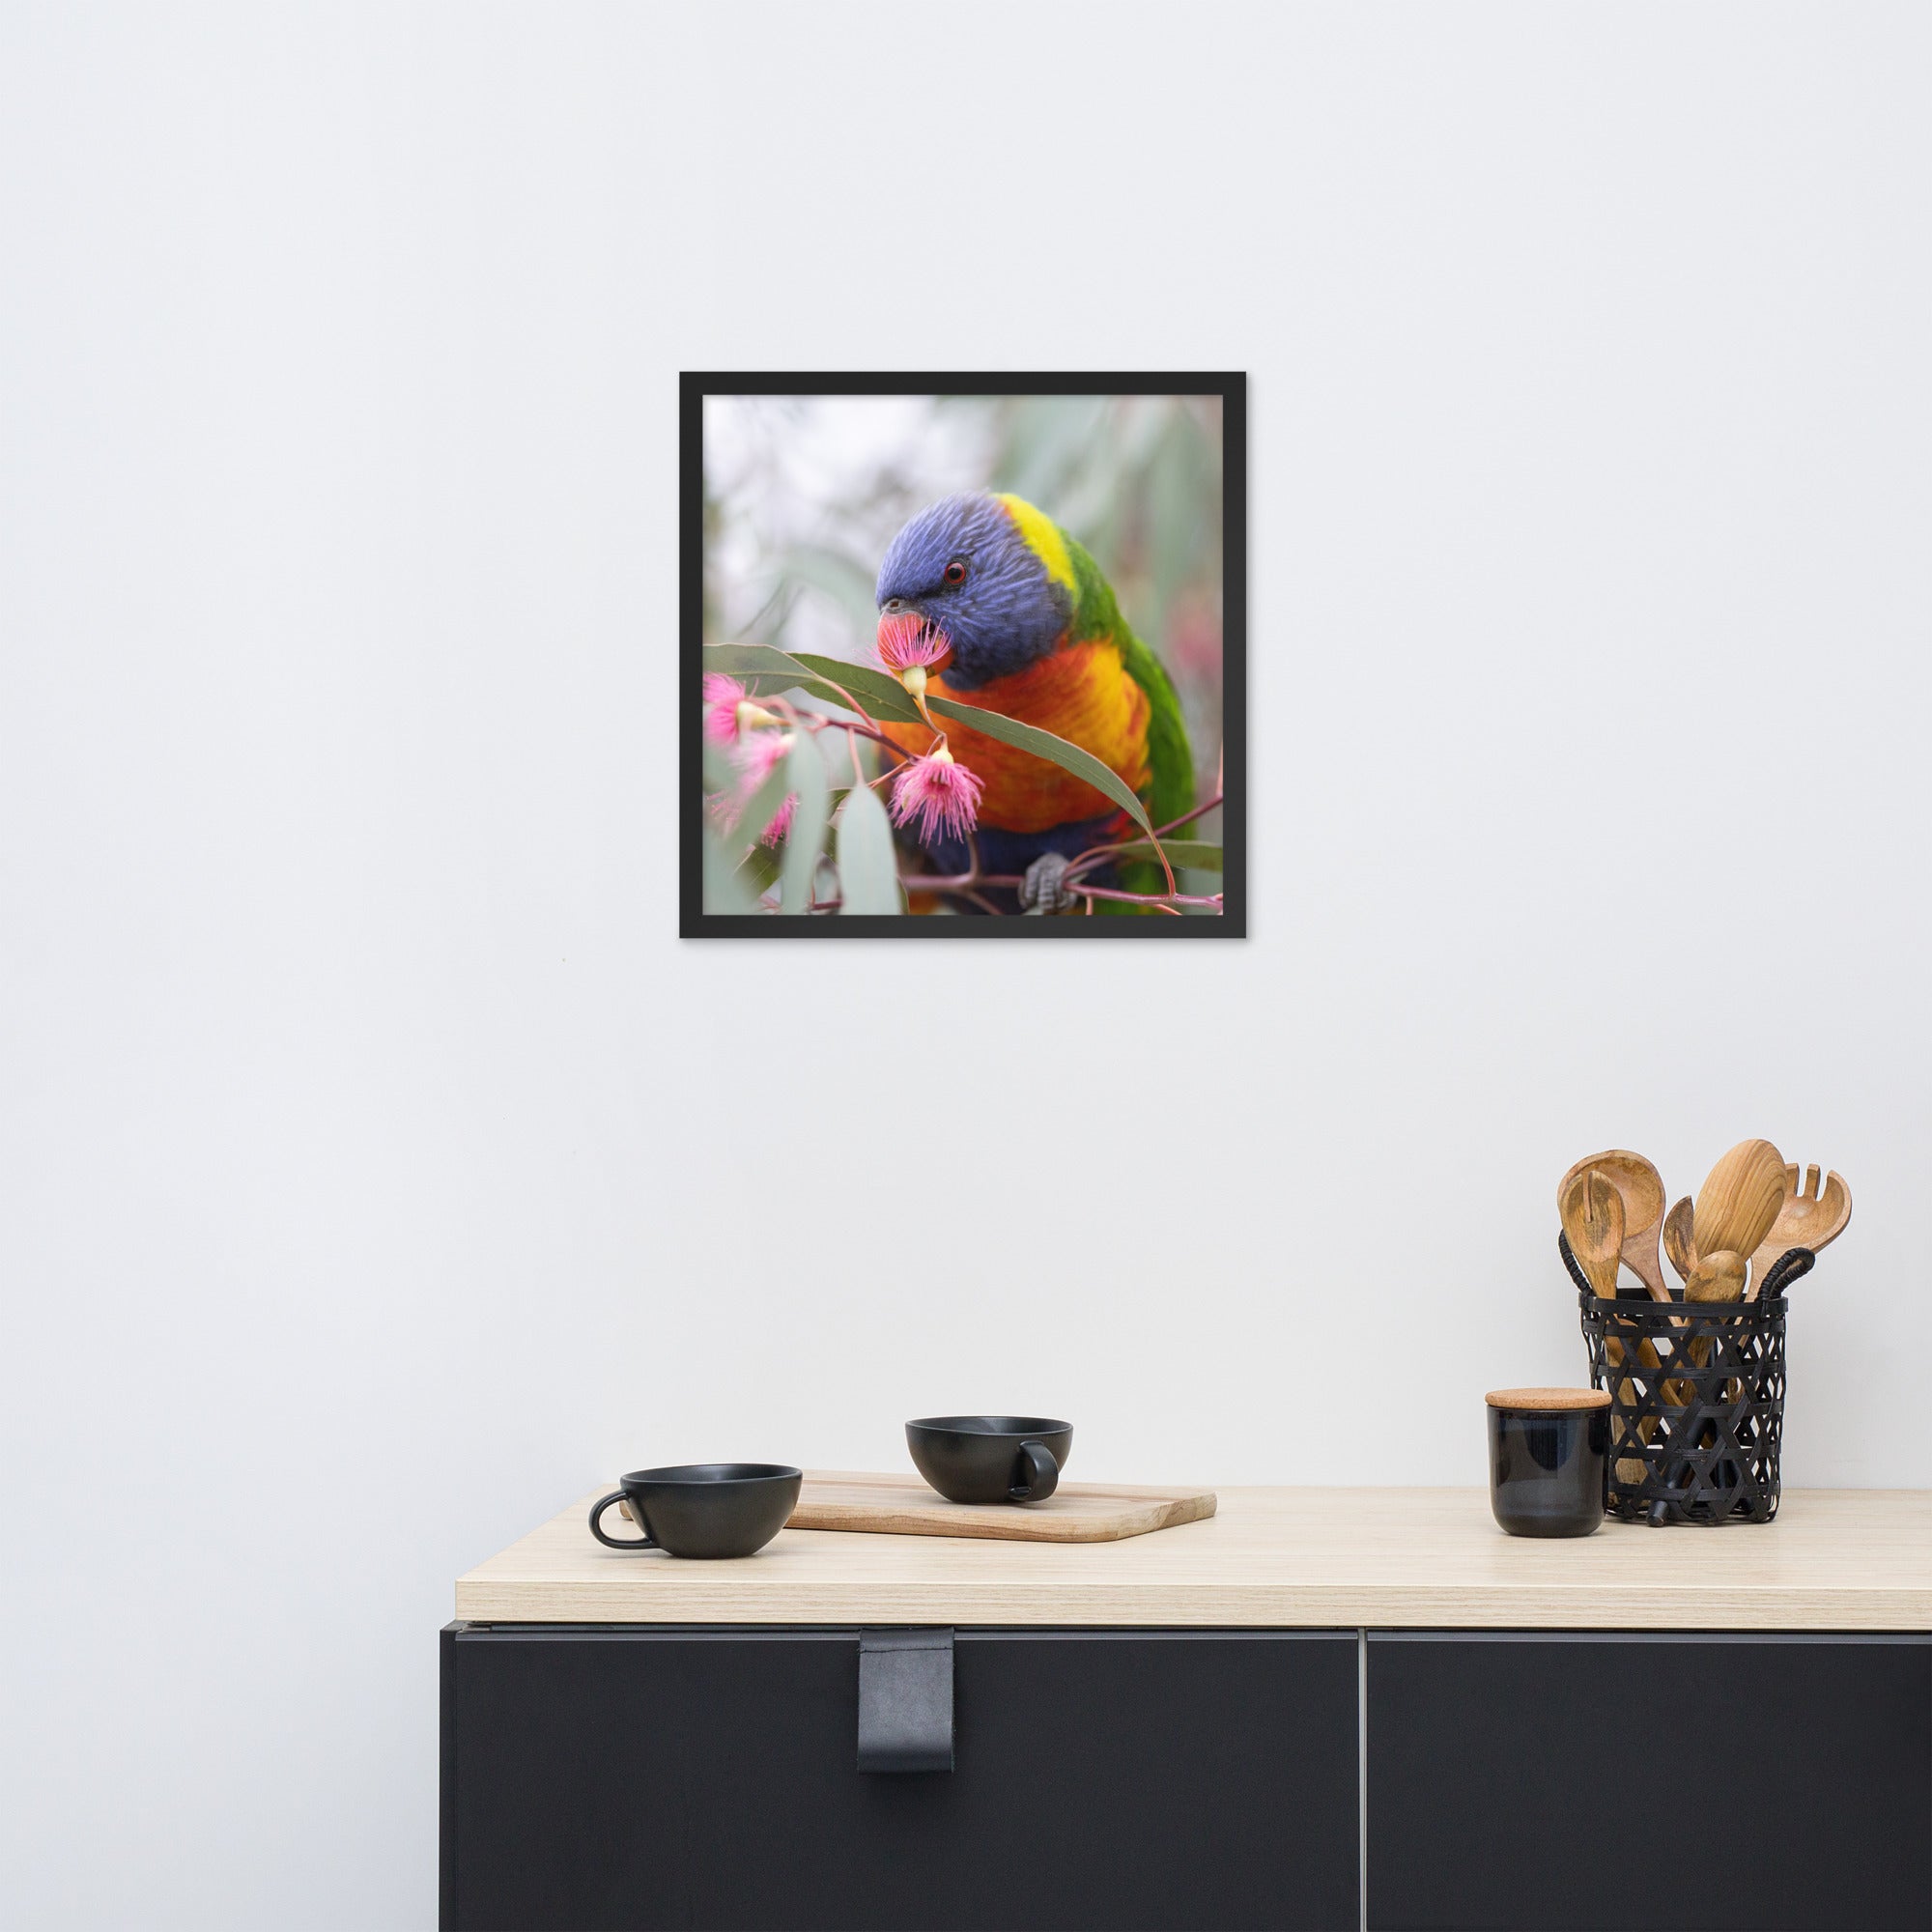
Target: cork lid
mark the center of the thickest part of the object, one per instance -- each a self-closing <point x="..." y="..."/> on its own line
<point x="1548" y="1399"/>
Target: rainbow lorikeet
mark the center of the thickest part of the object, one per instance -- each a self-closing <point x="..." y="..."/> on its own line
<point x="1032" y="629"/>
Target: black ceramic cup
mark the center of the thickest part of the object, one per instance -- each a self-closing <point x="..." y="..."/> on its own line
<point x="1548" y="1458"/>
<point x="990" y="1459"/>
<point x="703" y="1509"/>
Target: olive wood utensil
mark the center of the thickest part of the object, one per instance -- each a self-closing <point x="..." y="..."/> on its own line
<point x="1641" y="1188"/>
<point x="1716" y="1277"/>
<point x="1628" y="1468"/>
<point x="1739" y="1201"/>
<point x="1592" y="1212"/>
<point x="1592" y="1209"/>
<point x="1810" y="1216"/>
<point x="1680" y="1241"/>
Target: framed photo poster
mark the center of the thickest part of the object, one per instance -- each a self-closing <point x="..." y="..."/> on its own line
<point x="964" y="656"/>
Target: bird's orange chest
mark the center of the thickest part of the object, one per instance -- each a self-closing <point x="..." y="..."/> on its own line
<point x="1082" y="694"/>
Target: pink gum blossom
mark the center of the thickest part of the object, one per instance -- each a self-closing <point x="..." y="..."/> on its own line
<point x="780" y="821"/>
<point x="940" y="794"/>
<point x="756" y="758"/>
<point x="723" y="696"/>
<point x="758" y="755"/>
<point x="908" y="640"/>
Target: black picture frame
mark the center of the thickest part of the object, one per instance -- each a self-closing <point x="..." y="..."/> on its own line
<point x="1230" y="386"/>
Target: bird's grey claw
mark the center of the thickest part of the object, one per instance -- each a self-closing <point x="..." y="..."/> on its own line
<point x="1044" y="887"/>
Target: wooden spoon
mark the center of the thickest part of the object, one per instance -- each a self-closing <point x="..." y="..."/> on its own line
<point x="1641" y="1187"/>
<point x="1680" y="1242"/>
<point x="1593" y="1218"/>
<point x="1717" y="1277"/>
<point x="1739" y="1201"/>
<point x="1807" y="1217"/>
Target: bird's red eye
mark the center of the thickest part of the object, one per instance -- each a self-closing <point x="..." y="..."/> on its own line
<point x="955" y="571"/>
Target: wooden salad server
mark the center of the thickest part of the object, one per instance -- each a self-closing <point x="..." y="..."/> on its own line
<point x="1810" y="1216"/>
<point x="1641" y="1187"/>
<point x="1592" y="1212"/>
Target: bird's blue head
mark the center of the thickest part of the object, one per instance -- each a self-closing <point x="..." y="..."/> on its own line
<point x="990" y="572"/>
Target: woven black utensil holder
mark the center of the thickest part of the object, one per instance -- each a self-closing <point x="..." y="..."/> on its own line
<point x="1696" y="1399"/>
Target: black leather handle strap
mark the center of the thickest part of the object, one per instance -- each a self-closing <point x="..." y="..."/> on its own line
<point x="1570" y="1262"/>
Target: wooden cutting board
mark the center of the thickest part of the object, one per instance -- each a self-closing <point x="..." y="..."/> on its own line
<point x="1075" y="1512"/>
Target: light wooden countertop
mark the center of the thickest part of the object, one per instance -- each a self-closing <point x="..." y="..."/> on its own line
<point x="1835" y="1559"/>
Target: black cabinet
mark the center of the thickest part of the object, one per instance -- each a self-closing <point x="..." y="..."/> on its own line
<point x="606" y="1777"/>
<point x="1568" y="1782"/>
<point x="603" y="1777"/>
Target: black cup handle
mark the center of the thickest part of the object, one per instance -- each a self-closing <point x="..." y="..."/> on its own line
<point x="1041" y="1475"/>
<point x="597" y="1510"/>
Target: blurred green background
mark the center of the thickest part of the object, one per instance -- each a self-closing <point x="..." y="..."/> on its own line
<point x="802" y="494"/>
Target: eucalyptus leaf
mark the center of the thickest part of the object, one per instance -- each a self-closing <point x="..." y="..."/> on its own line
<point x="764" y="671"/>
<point x="749" y="660"/>
<point x="718" y="773"/>
<point x="881" y="694"/>
<point x="1198" y="853"/>
<point x="1044" y="745"/>
<point x="803" y="774"/>
<point x="760" y="870"/>
<point x="724" y="891"/>
<point x="756" y="867"/>
<point x="869" y="873"/>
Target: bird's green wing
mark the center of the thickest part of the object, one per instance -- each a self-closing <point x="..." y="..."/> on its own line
<point x="1096" y="613"/>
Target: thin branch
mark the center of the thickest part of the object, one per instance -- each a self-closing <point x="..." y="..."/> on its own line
<point x="1199" y="812"/>
<point x="825" y="724"/>
<point x="958" y="881"/>
<point x="1164" y="900"/>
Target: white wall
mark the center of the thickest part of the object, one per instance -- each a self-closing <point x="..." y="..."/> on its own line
<point x="380" y="1171"/>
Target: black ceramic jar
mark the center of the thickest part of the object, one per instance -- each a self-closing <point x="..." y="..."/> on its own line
<point x="1548" y="1458"/>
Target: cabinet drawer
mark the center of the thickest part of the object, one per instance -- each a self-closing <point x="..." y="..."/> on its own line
<point x="599" y="1779"/>
<point x="1573" y="1783"/>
